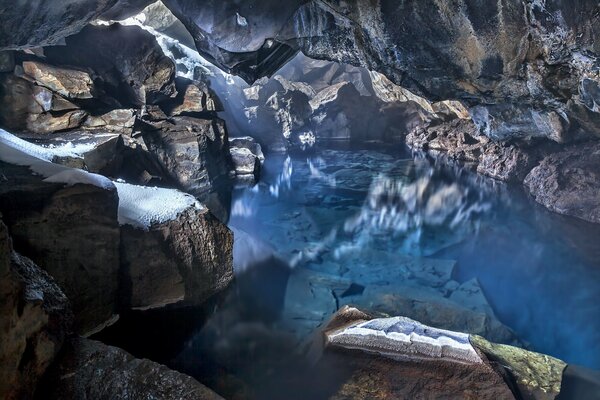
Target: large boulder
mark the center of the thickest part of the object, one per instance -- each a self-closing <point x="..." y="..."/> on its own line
<point x="71" y="231"/>
<point x="87" y="369"/>
<point x="126" y="62"/>
<point x="568" y="181"/>
<point x="183" y="255"/>
<point x="35" y="319"/>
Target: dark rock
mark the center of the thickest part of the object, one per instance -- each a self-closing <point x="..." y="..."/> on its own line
<point x="124" y="9"/>
<point x="7" y="61"/>
<point x="35" y="23"/>
<point x="113" y="121"/>
<point x="35" y="321"/>
<point x="195" y="153"/>
<point x="72" y="233"/>
<point x="184" y="260"/>
<point x="126" y="62"/>
<point x="87" y="369"/>
<point x="568" y="181"/>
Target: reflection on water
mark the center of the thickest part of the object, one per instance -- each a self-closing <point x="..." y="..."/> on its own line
<point x="397" y="234"/>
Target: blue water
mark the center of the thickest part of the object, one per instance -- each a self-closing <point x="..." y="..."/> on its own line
<point x="389" y="232"/>
<point x="345" y="213"/>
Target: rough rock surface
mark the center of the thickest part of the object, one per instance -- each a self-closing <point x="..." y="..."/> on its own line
<point x="72" y="233"/>
<point x="36" y="23"/>
<point x="126" y="61"/>
<point x="35" y="319"/>
<point x="195" y="153"/>
<point x="247" y="157"/>
<point x="187" y="259"/>
<point x="87" y="369"/>
<point x="193" y="97"/>
<point x="568" y="181"/>
<point x="69" y="83"/>
<point x="389" y="373"/>
<point x="461" y="140"/>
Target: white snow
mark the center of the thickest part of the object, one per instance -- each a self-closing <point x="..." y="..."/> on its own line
<point x="69" y="149"/>
<point x="141" y="206"/>
<point x="20" y="152"/>
<point x="401" y="337"/>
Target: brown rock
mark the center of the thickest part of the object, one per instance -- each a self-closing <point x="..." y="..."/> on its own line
<point x="35" y="318"/>
<point x="112" y="121"/>
<point x="87" y="369"/>
<point x="70" y="83"/>
<point x="71" y="232"/>
<point x="193" y="97"/>
<point x="186" y="259"/>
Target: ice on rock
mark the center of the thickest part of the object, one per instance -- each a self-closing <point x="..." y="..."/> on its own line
<point x="142" y="206"/>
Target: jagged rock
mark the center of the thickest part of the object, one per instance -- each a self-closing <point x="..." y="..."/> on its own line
<point x="72" y="233"/>
<point x="568" y="181"/>
<point x="69" y="83"/>
<point x="50" y="123"/>
<point x="125" y="9"/>
<point x="392" y="357"/>
<point x="247" y="156"/>
<point x="35" y="320"/>
<point x="183" y="260"/>
<point x="193" y="97"/>
<point x="112" y="121"/>
<point x="460" y="139"/>
<point x="125" y="61"/>
<point x="194" y="152"/>
<point x="36" y="23"/>
<point x="89" y="369"/>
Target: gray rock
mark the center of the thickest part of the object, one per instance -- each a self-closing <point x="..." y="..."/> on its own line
<point x="89" y="369"/>
<point x="247" y="157"/>
<point x="36" y="318"/>
<point x="7" y="61"/>
<point x="35" y="23"/>
<point x="568" y="181"/>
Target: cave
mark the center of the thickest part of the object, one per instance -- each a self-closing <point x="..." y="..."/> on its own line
<point x="309" y="199"/>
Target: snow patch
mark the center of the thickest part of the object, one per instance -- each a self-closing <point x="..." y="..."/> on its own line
<point x="141" y="206"/>
<point x="20" y="152"/>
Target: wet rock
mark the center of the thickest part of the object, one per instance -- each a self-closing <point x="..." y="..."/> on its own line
<point x="567" y="181"/>
<point x="113" y="54"/>
<point x="90" y="369"/>
<point x="538" y="376"/>
<point x="184" y="260"/>
<point x="388" y="359"/>
<point x="72" y="233"/>
<point x="35" y="321"/>
<point x="247" y="156"/>
<point x="69" y="83"/>
<point x="113" y="121"/>
<point x="37" y="23"/>
<point x="194" y="152"/>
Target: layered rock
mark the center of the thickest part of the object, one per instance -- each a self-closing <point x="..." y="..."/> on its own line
<point x="247" y="157"/>
<point x="90" y="369"/>
<point x="35" y="320"/>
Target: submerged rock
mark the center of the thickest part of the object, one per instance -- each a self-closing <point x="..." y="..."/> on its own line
<point x="92" y="370"/>
<point x="35" y="320"/>
<point x="568" y="181"/>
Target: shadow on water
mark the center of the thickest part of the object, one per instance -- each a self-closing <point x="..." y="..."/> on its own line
<point x="387" y="232"/>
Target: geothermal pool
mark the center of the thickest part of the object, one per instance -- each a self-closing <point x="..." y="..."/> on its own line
<point x="390" y="232"/>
